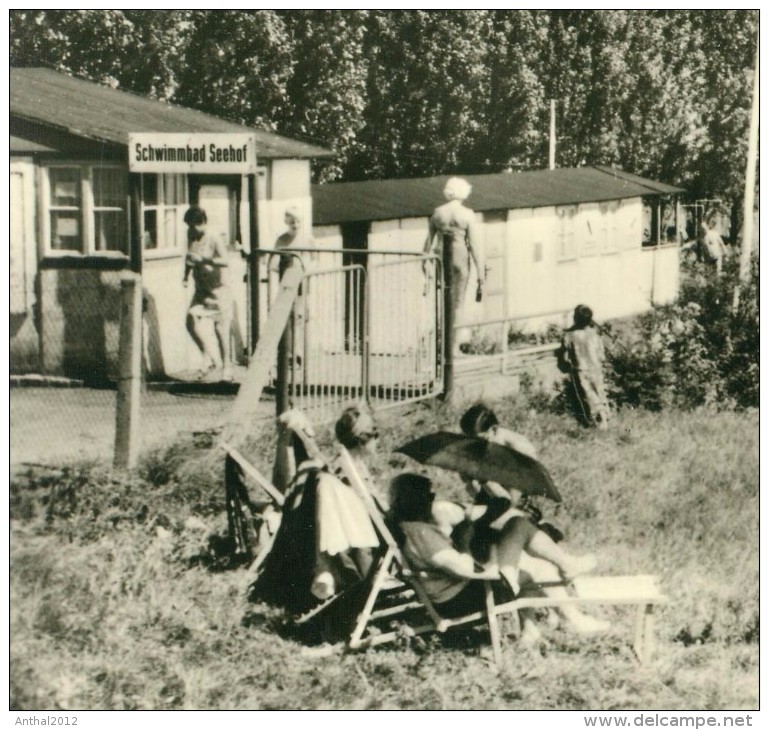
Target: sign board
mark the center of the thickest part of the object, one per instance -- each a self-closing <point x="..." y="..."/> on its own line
<point x="192" y="153"/>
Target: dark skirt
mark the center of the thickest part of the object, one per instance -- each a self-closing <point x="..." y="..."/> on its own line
<point x="473" y="598"/>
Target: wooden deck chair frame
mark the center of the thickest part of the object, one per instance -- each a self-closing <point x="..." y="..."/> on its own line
<point x="394" y="565"/>
<point x="277" y="497"/>
<point x="641" y="591"/>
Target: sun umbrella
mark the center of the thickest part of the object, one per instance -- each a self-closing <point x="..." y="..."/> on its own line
<point x="480" y="459"/>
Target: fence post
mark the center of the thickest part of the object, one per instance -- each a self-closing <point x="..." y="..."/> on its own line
<point x="448" y="325"/>
<point x="127" y="432"/>
<point x="253" y="266"/>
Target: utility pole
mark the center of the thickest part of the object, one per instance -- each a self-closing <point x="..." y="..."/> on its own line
<point x="750" y="184"/>
<point x="552" y="134"/>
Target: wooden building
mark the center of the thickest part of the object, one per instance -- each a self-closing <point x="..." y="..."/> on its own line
<point x="550" y="239"/>
<point x="71" y="237"/>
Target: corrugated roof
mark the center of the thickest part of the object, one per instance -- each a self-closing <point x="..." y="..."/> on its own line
<point x="417" y="197"/>
<point x="93" y="111"/>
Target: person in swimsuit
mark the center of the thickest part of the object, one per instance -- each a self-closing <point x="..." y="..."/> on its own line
<point x="453" y="236"/>
<point x="452" y="573"/>
<point x="293" y="236"/>
<point x="212" y="299"/>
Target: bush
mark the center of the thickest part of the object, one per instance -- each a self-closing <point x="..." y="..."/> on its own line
<point x="662" y="360"/>
<point x="699" y="351"/>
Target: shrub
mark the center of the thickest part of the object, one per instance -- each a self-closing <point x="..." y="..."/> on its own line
<point x="699" y="351"/>
<point x="662" y="360"/>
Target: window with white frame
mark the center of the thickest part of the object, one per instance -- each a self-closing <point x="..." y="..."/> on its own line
<point x="164" y="202"/>
<point x="85" y="209"/>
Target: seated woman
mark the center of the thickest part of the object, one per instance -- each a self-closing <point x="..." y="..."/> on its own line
<point x="325" y="539"/>
<point x="357" y="432"/>
<point x="453" y="577"/>
<point x="482" y="422"/>
<point x="479" y="420"/>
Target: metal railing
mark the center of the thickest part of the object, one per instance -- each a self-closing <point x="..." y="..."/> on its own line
<point x="495" y="353"/>
<point x="367" y="324"/>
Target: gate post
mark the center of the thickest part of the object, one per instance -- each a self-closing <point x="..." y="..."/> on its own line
<point x="448" y="325"/>
<point x="253" y="265"/>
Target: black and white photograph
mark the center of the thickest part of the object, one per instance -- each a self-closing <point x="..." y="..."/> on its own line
<point x="277" y="275"/>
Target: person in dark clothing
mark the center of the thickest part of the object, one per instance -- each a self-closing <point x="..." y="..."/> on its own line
<point x="582" y="356"/>
<point x="451" y="575"/>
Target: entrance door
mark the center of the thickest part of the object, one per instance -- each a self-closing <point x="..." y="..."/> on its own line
<point x="220" y="201"/>
<point x="215" y="200"/>
<point x="495" y="261"/>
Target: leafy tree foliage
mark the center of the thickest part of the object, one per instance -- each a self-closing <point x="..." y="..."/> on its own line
<point x="514" y="128"/>
<point x="135" y="49"/>
<point x="327" y="88"/>
<point x="406" y="93"/>
<point x="237" y="66"/>
<point x="426" y="84"/>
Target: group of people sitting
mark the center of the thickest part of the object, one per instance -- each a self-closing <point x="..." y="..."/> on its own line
<point x="496" y="535"/>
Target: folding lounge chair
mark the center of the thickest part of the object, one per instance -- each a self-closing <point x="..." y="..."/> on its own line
<point x="396" y="593"/>
<point x="246" y="507"/>
<point x="641" y="591"/>
<point x="394" y="570"/>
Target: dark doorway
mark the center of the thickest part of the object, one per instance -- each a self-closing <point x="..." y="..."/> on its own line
<point x="354" y="238"/>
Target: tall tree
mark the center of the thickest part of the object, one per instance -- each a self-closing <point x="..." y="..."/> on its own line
<point x="327" y="87"/>
<point x="514" y="123"/>
<point x="136" y="49"/>
<point x="728" y="43"/>
<point x="426" y="85"/>
<point x="402" y="93"/>
<point x="237" y="66"/>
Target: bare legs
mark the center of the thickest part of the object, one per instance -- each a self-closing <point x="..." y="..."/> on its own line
<point x="211" y="335"/>
<point x="205" y="340"/>
<point x="536" y="571"/>
<point x="544" y="561"/>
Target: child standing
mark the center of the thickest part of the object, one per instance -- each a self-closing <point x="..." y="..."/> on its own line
<point x="582" y="355"/>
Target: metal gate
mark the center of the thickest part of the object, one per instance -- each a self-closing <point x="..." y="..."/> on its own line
<point x="371" y="331"/>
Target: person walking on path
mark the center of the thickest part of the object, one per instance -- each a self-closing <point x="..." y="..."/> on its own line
<point x="582" y="356"/>
<point x="212" y="301"/>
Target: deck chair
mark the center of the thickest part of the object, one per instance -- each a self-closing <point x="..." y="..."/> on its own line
<point x="253" y="516"/>
<point x="285" y="572"/>
<point x="641" y="591"/>
<point x="394" y="570"/>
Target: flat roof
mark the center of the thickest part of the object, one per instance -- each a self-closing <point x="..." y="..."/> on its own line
<point x="92" y="111"/>
<point x="418" y="197"/>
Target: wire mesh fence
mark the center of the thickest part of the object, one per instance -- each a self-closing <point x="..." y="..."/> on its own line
<point x="63" y="395"/>
<point x="371" y="329"/>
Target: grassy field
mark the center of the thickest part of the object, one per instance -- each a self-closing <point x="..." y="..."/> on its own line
<point x="114" y="603"/>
